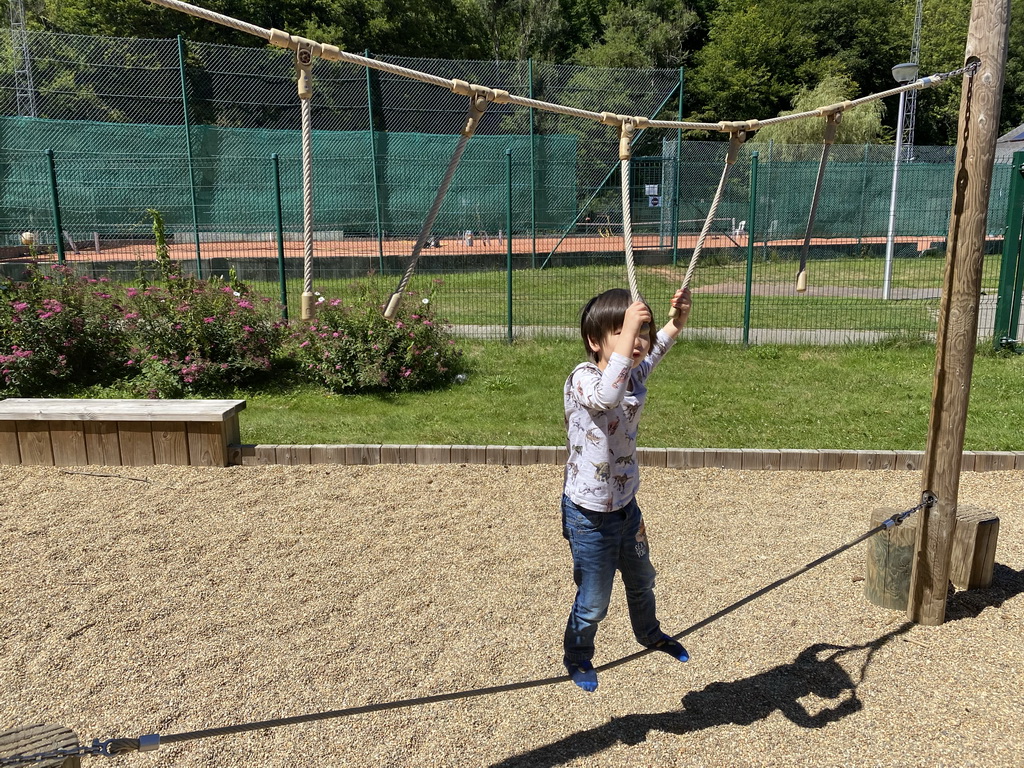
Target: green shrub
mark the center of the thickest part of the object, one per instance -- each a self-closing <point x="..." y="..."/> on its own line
<point x="353" y="348"/>
<point x="55" y="331"/>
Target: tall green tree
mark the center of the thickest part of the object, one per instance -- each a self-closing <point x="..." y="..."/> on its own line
<point x="861" y="125"/>
<point x="649" y="33"/>
<point x="760" y="53"/>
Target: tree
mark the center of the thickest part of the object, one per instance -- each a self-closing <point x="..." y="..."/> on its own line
<point x="650" y="33"/>
<point x="860" y="125"/>
<point x="762" y="52"/>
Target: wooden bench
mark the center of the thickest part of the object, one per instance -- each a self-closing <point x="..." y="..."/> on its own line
<point x="68" y="432"/>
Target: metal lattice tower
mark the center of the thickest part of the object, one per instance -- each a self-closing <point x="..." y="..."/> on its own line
<point x="26" y="92"/>
<point x="910" y="106"/>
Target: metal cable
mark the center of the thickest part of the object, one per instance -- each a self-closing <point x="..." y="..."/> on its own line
<point x="152" y="741"/>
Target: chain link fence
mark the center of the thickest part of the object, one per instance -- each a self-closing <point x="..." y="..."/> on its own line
<point x="209" y="136"/>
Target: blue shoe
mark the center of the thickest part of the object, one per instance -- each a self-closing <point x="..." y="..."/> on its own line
<point x="672" y="647"/>
<point x="583" y="674"/>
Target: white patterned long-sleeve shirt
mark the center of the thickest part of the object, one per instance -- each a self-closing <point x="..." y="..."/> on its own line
<point x="602" y="415"/>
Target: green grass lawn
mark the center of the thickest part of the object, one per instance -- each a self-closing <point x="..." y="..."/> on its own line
<point x="553" y="296"/>
<point x="704" y="395"/>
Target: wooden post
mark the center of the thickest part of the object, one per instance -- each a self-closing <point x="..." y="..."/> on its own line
<point x="956" y="339"/>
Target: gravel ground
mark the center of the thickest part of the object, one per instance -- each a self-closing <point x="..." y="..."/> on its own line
<point x="172" y="599"/>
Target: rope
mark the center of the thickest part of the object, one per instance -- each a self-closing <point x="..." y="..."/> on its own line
<point x="626" y="130"/>
<point x="735" y="140"/>
<point x="831" y="124"/>
<point x="153" y="741"/>
<point x="627" y="234"/>
<point x="333" y="53"/>
<point x="307" y="197"/>
<point x="219" y="18"/>
<point x="477" y="107"/>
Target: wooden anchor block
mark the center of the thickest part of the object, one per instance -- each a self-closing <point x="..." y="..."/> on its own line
<point x="36" y="739"/>
<point x="890" y="559"/>
<point x="973" y="555"/>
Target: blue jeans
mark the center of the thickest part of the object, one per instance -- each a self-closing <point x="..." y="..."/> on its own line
<point x="601" y="543"/>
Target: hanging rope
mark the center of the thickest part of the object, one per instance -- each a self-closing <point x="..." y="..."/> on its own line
<point x="831" y="124"/>
<point x="303" y="62"/>
<point x="153" y="741"/>
<point x="627" y="127"/>
<point x="477" y="106"/>
<point x="736" y="138"/>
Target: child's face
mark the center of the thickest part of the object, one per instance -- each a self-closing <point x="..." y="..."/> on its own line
<point x="641" y="346"/>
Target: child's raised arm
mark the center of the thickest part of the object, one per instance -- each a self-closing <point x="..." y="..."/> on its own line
<point x="681" y="301"/>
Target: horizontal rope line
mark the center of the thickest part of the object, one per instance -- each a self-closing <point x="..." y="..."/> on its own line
<point x="724" y="126"/>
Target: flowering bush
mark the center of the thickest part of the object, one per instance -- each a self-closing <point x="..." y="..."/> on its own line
<point x="185" y="336"/>
<point x="173" y="336"/>
<point x="354" y="348"/>
<point x="54" y="331"/>
<point x="193" y="336"/>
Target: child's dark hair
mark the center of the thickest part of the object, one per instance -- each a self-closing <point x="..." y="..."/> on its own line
<point x="604" y="314"/>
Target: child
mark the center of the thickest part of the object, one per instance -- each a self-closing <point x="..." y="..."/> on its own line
<point x="604" y="399"/>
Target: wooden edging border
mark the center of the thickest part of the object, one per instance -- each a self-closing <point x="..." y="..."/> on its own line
<point x="673" y="458"/>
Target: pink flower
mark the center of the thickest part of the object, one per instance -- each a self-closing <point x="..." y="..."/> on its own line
<point x="21" y="306"/>
<point x="209" y="319"/>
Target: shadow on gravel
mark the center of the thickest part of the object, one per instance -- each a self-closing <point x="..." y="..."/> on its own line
<point x="815" y="672"/>
<point x="1006" y="583"/>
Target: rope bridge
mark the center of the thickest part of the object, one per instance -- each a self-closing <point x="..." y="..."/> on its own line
<point x="481" y="97"/>
<point x="153" y="741"/>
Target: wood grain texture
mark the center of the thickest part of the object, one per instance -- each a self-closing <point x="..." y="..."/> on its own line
<point x="889" y="560"/>
<point x="957" y="327"/>
<point x="40" y="738"/>
<point x="973" y="555"/>
<point x="68" y="440"/>
<point x="102" y="443"/>
<point x="136" y="443"/>
<point x="170" y="443"/>
<point x="71" y="409"/>
<point x="34" y="443"/>
<point x="9" y="451"/>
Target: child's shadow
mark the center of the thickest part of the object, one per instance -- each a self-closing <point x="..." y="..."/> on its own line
<point x="815" y="672"/>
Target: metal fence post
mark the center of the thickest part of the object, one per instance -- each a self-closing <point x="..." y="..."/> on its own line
<point x="58" y="227"/>
<point x="1011" y="271"/>
<point x="751" y="218"/>
<point x="282" y="283"/>
<point x="508" y="236"/>
<point x="863" y="197"/>
<point x="533" y="174"/>
<point x="679" y="157"/>
<point x="188" y="155"/>
<point x="373" y="161"/>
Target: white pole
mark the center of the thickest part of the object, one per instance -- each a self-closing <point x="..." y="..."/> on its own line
<point x="887" y="281"/>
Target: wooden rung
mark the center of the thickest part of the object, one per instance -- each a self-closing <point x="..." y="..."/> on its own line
<point x="973" y="554"/>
